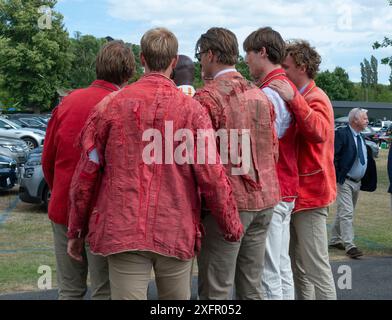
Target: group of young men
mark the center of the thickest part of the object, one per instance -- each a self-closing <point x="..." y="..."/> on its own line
<point x="261" y="232"/>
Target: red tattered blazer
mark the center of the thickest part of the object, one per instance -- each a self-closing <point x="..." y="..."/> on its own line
<point x="61" y="155"/>
<point x="140" y="206"/>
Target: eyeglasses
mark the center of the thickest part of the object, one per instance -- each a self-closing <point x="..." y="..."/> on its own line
<point x="198" y="55"/>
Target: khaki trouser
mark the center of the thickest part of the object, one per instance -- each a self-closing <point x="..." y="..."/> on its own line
<point x="313" y="278"/>
<point x="130" y="273"/>
<point x="223" y="264"/>
<point x="72" y="275"/>
<point x="343" y="226"/>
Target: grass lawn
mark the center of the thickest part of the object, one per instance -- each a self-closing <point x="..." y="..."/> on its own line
<point x="26" y="240"/>
<point x="25" y="245"/>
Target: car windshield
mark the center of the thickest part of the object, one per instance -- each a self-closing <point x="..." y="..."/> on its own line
<point x="17" y="126"/>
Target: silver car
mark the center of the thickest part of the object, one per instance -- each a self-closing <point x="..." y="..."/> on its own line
<point x="33" y="187"/>
<point x="34" y="138"/>
<point x="15" y="149"/>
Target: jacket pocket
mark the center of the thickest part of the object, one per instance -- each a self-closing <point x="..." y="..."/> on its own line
<point x="312" y="184"/>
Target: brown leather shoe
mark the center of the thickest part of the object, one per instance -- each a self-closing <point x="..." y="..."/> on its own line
<point x="338" y="246"/>
<point x="354" y="253"/>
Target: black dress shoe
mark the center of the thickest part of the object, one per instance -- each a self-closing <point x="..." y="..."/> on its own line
<point x="354" y="253"/>
<point x="338" y="246"/>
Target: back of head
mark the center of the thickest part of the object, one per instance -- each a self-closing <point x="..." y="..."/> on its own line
<point x="159" y="47"/>
<point x="269" y="39"/>
<point x="115" y="63"/>
<point x="184" y="73"/>
<point x="222" y="42"/>
<point x="304" y="54"/>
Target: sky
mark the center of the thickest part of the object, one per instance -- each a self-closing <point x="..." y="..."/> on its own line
<point x="343" y="31"/>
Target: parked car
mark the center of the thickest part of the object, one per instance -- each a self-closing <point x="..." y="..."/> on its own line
<point x="374" y="146"/>
<point x="33" y="137"/>
<point x="8" y="173"/>
<point x="28" y="121"/>
<point x="369" y="133"/>
<point x="33" y="187"/>
<point x="15" y="149"/>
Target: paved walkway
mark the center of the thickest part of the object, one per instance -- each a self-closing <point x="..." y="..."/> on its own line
<point x="371" y="280"/>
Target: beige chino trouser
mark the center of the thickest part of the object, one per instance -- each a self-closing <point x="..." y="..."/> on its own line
<point x="72" y="275"/>
<point x="313" y="278"/>
<point x="130" y="274"/>
<point x="343" y="226"/>
<point x="223" y="264"/>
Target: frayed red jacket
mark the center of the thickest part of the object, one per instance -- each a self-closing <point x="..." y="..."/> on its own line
<point x="60" y="156"/>
<point x="315" y="123"/>
<point x="235" y="103"/>
<point x="140" y="206"/>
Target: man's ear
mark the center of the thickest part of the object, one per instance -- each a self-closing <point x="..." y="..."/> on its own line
<point x="263" y="52"/>
<point x="174" y="62"/>
<point x="142" y="60"/>
<point x="211" y="56"/>
<point x="303" y="69"/>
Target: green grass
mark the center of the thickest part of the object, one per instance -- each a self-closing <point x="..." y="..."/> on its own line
<point x="26" y="240"/>
<point x="26" y="243"/>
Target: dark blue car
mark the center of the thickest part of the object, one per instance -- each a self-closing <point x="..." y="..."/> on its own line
<point x="8" y="173"/>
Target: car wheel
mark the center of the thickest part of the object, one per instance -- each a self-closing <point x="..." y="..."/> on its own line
<point x="31" y="143"/>
<point x="46" y="196"/>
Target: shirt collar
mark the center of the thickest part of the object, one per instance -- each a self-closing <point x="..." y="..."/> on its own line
<point x="222" y="72"/>
<point x="105" y="85"/>
<point x="302" y="90"/>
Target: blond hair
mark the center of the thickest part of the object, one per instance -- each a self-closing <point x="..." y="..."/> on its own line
<point x="159" y="47"/>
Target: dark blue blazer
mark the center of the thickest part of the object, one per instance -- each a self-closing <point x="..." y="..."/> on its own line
<point x="345" y="155"/>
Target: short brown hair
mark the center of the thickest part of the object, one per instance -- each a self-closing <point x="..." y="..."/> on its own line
<point x="269" y="39"/>
<point x="159" y="47"/>
<point x="304" y="54"/>
<point x="115" y="63"/>
<point x="221" y="42"/>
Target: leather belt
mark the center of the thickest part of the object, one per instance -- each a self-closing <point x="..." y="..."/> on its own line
<point x="353" y="180"/>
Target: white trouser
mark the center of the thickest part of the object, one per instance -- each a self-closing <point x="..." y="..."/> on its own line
<point x="277" y="278"/>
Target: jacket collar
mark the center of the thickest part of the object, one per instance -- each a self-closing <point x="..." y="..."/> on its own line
<point x="271" y="76"/>
<point x="160" y="77"/>
<point x="105" y="85"/>
<point x="309" y="88"/>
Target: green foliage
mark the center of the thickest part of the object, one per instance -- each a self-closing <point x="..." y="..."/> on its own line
<point x="33" y="62"/>
<point x="242" y="68"/>
<point x="139" y="68"/>
<point x="83" y="51"/>
<point x="336" y="84"/>
<point x="387" y="42"/>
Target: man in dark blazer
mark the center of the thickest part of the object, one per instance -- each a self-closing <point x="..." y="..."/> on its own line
<point x="355" y="171"/>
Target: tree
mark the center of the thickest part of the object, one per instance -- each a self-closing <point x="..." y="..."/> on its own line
<point x="387" y="42"/>
<point x="374" y="70"/>
<point x="242" y="68"/>
<point x="336" y="84"/>
<point x="83" y="51"/>
<point x="33" y="61"/>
